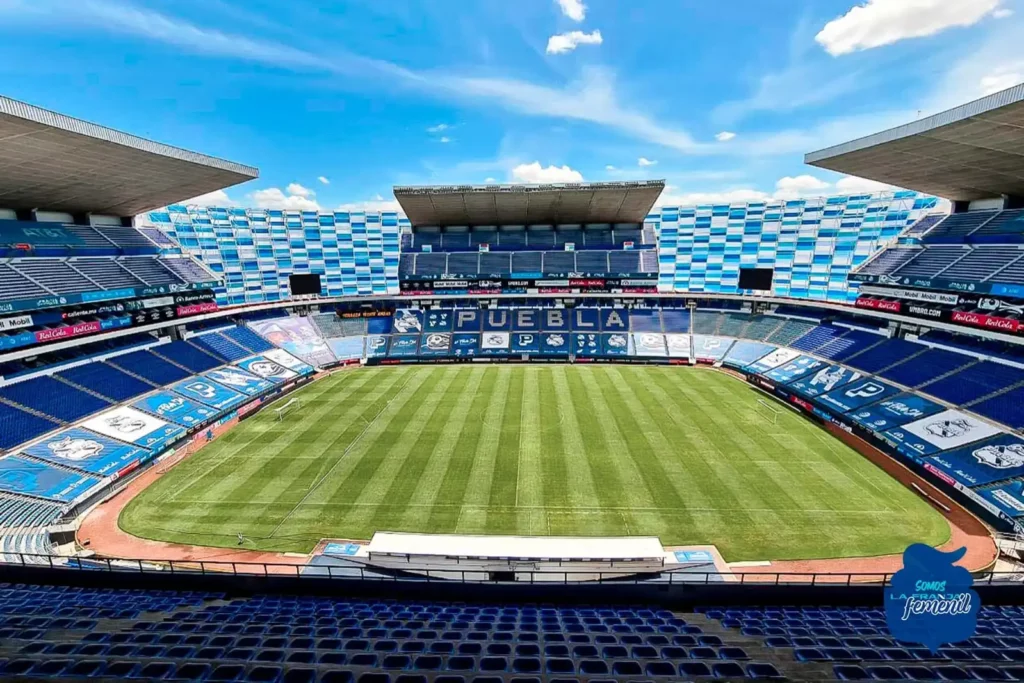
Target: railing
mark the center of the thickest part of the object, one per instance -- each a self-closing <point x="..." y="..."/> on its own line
<point x="339" y="572"/>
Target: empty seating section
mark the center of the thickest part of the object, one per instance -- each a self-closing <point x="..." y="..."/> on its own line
<point x="621" y="261"/>
<point x="705" y="322"/>
<point x="187" y="356"/>
<point x="932" y="262"/>
<point x="526" y="262"/>
<point x="571" y="236"/>
<point x="924" y="224"/>
<point x="465" y="263"/>
<point x="675" y="320"/>
<point x="858" y="645"/>
<point x="247" y="338"/>
<point x="851" y="343"/>
<point x="406" y="265"/>
<point x="1007" y="407"/>
<point x="106" y="380"/>
<point x="454" y="241"/>
<point x="106" y="273"/>
<point x="559" y="262"/>
<point x="598" y="262"/>
<point x="329" y="325"/>
<point x="55" y="275"/>
<point x="187" y="269"/>
<point x="53" y="398"/>
<point x="495" y="264"/>
<point x="150" y="271"/>
<point x="958" y="225"/>
<point x="534" y="238"/>
<point x="14" y="285"/>
<point x="88" y="238"/>
<point x="1006" y="223"/>
<point x="815" y="337"/>
<point x="927" y="367"/>
<point x="431" y="264"/>
<point x="760" y="326"/>
<point x="789" y="332"/>
<point x="22" y="512"/>
<point x="158" y="237"/>
<point x="885" y="354"/>
<point x="975" y="382"/>
<point x="149" y="366"/>
<point x="126" y="238"/>
<point x="220" y="346"/>
<point x="732" y="324"/>
<point x="1012" y="274"/>
<point x="649" y="261"/>
<point x="117" y="634"/>
<point x="889" y="260"/>
<point x="983" y="263"/>
<point x="18" y="426"/>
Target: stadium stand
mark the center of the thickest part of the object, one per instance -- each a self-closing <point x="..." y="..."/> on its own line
<point x="927" y="367"/>
<point x="248" y="339"/>
<point x="53" y="398"/>
<point x="220" y="346"/>
<point x="815" y="337"/>
<point x="974" y="382"/>
<point x="18" y="426"/>
<point x="789" y="332"/>
<point x="106" y="380"/>
<point x="150" y="367"/>
<point x="885" y="354"/>
<point x="187" y="356"/>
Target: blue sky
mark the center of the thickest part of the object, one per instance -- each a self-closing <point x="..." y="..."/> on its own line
<point x="335" y="102"/>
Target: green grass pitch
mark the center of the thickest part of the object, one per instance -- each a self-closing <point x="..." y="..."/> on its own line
<point x="607" y="450"/>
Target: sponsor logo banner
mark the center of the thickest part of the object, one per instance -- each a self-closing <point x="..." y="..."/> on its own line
<point x="194" y="309"/>
<point x="238" y="380"/>
<point x="284" y="358"/>
<point x="206" y="391"/>
<point x="435" y="343"/>
<point x="895" y="411"/>
<point x="465" y="344"/>
<point x="1009" y="498"/>
<point x="555" y="344"/>
<point x="133" y="426"/>
<point x="796" y="368"/>
<point x="994" y="459"/>
<point x="940" y="432"/>
<point x="495" y="342"/>
<point x="269" y="370"/>
<point x="526" y="342"/>
<point x="774" y="359"/>
<point x="923" y="311"/>
<point x="34" y="478"/>
<point x="858" y="394"/>
<point x="175" y="408"/>
<point x="404" y="345"/>
<point x="710" y="348"/>
<point x="17" y="322"/>
<point x="878" y="304"/>
<point x="824" y="380"/>
<point x="438" y="321"/>
<point x="587" y="344"/>
<point x="912" y="295"/>
<point x="407" y="321"/>
<point x="989" y="322"/>
<point x="617" y="344"/>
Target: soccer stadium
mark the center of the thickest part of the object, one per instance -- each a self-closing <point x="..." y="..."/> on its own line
<point x="509" y="433"/>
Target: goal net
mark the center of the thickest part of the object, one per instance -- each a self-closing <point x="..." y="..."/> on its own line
<point x="282" y="412"/>
<point x="769" y="412"/>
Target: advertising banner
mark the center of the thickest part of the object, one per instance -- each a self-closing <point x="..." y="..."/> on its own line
<point x="32" y="478"/>
<point x="858" y="394"/>
<point x="586" y="344"/>
<point x="298" y="336"/>
<point x="404" y="345"/>
<point x="438" y="321"/>
<point x="895" y="411"/>
<point x="554" y="344"/>
<point x="616" y="344"/>
<point x="989" y="322"/>
<point x="267" y="369"/>
<point x="824" y="380"/>
<point x="941" y="432"/>
<point x="196" y="309"/>
<point x="798" y="367"/>
<point x="1009" y="498"/>
<point x="282" y="357"/>
<point x="133" y="426"/>
<point x="208" y="392"/>
<point x="376" y="346"/>
<point x="526" y="342"/>
<point x="878" y="304"/>
<point x="994" y="459"/>
<point x="648" y="344"/>
<point x="678" y="345"/>
<point x="86" y="451"/>
<point x="944" y="298"/>
<point x="495" y="343"/>
<point x="435" y="343"/>
<point x="465" y="344"/>
<point x="15" y="323"/>
<point x="774" y="359"/>
<point x="239" y="380"/>
<point x="174" y="408"/>
<point x="710" y="348"/>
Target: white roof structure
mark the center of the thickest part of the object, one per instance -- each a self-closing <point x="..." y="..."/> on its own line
<point x="552" y="204"/>
<point x="975" y="151"/>
<point x="57" y="163"/>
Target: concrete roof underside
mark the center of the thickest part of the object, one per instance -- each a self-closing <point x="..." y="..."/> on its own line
<point x="975" y="151"/>
<point x="555" y="204"/>
<point x="53" y="162"/>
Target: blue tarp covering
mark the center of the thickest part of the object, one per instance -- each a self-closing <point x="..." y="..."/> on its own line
<point x="208" y="392"/>
<point x="895" y="411"/>
<point x="995" y="459"/>
<point x="87" y="451"/>
<point x="824" y="380"/>
<point x="21" y="475"/>
<point x="858" y="394"/>
<point x="239" y="380"/>
<point x="174" y="408"/>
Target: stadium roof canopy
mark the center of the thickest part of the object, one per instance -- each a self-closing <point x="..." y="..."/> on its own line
<point x="53" y="162"/>
<point x="556" y="204"/>
<point x="975" y="151"/>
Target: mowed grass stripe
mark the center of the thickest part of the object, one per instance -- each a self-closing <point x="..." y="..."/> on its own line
<point x="680" y="453"/>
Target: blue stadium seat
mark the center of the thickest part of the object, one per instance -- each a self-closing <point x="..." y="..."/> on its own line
<point x="53" y="398"/>
<point x="930" y="365"/>
<point x="975" y="382"/>
<point x="149" y="366"/>
<point x="1007" y="408"/>
<point x="187" y="356"/>
<point x="17" y="426"/>
<point x="220" y="347"/>
<point x="106" y="380"/>
<point x="889" y="352"/>
<point x="248" y="339"/>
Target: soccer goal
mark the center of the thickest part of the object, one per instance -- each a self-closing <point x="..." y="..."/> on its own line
<point x="769" y="412"/>
<point x="282" y="412"/>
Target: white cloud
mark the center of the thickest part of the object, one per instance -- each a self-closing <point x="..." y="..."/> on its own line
<point x="854" y="185"/>
<point x="883" y="22"/>
<point x="567" y="42"/>
<point x="439" y="128"/>
<point x="534" y="173"/>
<point x="274" y="198"/>
<point x="725" y="136"/>
<point x="1003" y="13"/>
<point x="1001" y="78"/>
<point x="787" y="188"/>
<point x="800" y="186"/>
<point x="609" y="167"/>
<point x="300" y="191"/>
<point x="378" y="203"/>
<point x="574" y="9"/>
<point x="444" y="140"/>
<point x="669" y="197"/>
<point x="216" y="198"/>
<point x="644" y="161"/>
<point x="324" y="180"/>
<point x="490" y="180"/>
